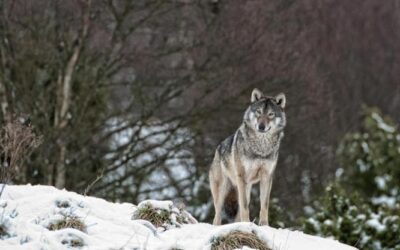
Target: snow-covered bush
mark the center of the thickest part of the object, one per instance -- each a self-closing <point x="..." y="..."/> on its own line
<point x="363" y="207"/>
<point x="349" y="219"/>
<point x="162" y="214"/>
<point x="371" y="159"/>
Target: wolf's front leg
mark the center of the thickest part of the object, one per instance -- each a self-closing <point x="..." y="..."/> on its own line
<point x="243" y="199"/>
<point x="265" y="191"/>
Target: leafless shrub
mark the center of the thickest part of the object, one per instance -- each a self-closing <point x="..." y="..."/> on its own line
<point x="17" y="142"/>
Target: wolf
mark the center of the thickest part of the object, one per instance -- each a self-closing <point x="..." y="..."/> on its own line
<point x="247" y="157"/>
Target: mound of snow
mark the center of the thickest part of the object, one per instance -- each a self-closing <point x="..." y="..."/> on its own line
<point x="28" y="210"/>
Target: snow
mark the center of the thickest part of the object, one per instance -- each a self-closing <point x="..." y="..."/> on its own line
<point x="380" y="182"/>
<point x="27" y="210"/>
<point x="339" y="172"/>
<point x="384" y="199"/>
<point x="364" y="167"/>
<point x="365" y="147"/>
<point x="165" y="205"/>
<point x="375" y="222"/>
<point x="382" y="124"/>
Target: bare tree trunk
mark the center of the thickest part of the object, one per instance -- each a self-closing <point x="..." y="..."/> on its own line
<point x="5" y="60"/>
<point x="3" y="100"/>
<point x="64" y="98"/>
<point x="61" y="170"/>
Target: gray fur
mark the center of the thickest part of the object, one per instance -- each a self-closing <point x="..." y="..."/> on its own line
<point x="249" y="156"/>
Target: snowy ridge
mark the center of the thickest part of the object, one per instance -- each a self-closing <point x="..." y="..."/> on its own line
<point x="26" y="210"/>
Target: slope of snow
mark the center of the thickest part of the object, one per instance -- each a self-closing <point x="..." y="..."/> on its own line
<point x="27" y="210"/>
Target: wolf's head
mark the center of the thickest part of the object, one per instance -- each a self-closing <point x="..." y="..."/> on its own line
<point x="266" y="114"/>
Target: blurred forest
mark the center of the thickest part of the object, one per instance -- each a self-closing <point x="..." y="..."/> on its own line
<point x="132" y="97"/>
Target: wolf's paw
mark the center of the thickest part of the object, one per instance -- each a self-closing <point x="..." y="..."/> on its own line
<point x="263" y="223"/>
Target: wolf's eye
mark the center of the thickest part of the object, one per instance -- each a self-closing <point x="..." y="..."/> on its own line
<point x="271" y="114"/>
<point x="258" y="112"/>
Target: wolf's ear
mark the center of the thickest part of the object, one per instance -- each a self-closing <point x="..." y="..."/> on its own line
<point x="256" y="95"/>
<point x="281" y="100"/>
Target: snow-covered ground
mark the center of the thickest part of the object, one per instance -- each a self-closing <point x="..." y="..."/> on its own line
<point x="26" y="211"/>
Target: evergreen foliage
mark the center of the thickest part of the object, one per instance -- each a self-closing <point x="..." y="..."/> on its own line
<point x="362" y="207"/>
<point x="371" y="159"/>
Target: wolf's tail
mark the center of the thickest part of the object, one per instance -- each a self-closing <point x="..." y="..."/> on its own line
<point x="231" y="205"/>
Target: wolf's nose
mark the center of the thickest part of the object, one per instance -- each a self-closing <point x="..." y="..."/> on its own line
<point x="261" y="126"/>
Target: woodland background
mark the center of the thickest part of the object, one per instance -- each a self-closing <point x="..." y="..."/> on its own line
<point x="131" y="98"/>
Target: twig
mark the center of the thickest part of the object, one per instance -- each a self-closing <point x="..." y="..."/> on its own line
<point x="87" y="189"/>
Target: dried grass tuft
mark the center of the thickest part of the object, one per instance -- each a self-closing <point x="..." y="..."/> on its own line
<point x="156" y="217"/>
<point x="68" y="222"/>
<point x="238" y="239"/>
<point x="162" y="217"/>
